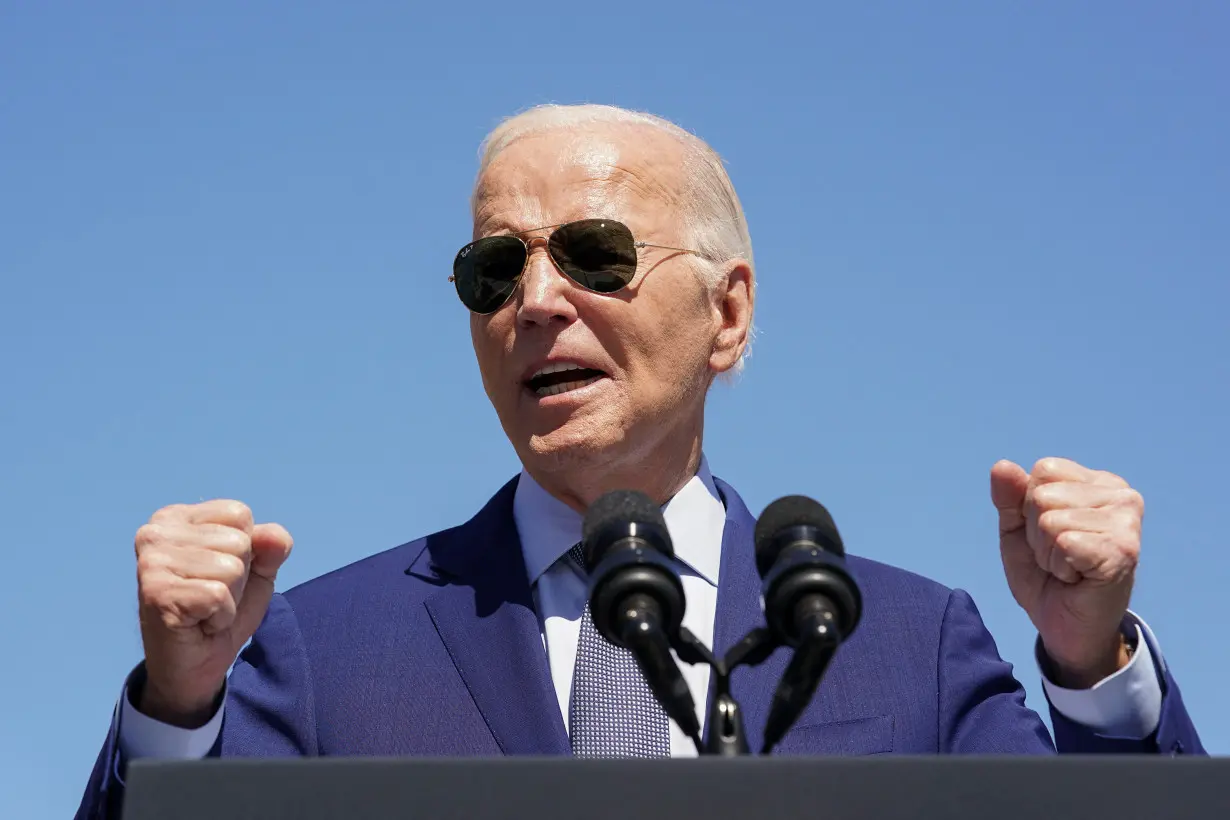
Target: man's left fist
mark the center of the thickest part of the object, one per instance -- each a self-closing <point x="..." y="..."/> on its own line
<point x="1070" y="541"/>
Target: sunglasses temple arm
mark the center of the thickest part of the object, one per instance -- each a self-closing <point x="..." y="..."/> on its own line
<point x="669" y="248"/>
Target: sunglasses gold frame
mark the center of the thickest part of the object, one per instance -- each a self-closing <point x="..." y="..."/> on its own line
<point x="541" y="241"/>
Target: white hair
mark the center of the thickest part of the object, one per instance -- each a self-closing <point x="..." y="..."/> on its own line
<point x="712" y="217"/>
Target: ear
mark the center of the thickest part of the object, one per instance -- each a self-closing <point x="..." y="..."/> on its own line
<point x="733" y="302"/>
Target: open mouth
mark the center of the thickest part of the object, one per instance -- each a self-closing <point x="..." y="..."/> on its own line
<point x="561" y="378"/>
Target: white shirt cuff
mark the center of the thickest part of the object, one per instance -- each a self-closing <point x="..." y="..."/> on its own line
<point x="142" y="736"/>
<point x="1128" y="704"/>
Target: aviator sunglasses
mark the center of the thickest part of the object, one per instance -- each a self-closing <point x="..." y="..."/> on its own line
<point x="597" y="254"/>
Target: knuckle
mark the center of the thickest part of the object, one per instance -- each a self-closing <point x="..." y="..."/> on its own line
<point x="1067" y="541"/>
<point x="171" y="618"/>
<point x="148" y="535"/>
<point x="232" y="567"/>
<point x="150" y="563"/>
<point x="1046" y="466"/>
<point x="1133" y="499"/>
<point x="1050" y="522"/>
<point x="156" y="593"/>
<point x="1128" y="521"/>
<point x="170" y="511"/>
<point x="1046" y="495"/>
<point x="217" y="595"/>
<point x="233" y="542"/>
<point x="237" y="511"/>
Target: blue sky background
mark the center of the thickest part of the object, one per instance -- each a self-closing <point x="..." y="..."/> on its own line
<point x="982" y="230"/>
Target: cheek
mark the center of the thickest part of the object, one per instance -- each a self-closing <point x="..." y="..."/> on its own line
<point x="488" y="348"/>
<point x="478" y="338"/>
<point x="677" y="347"/>
<point x="690" y="328"/>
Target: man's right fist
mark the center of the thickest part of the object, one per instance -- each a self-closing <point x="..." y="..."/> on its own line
<point x="205" y="575"/>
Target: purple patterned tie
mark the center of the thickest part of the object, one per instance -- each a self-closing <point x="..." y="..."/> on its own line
<point x="612" y="712"/>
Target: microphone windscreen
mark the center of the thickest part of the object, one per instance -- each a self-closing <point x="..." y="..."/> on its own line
<point x="794" y="511"/>
<point x="609" y="511"/>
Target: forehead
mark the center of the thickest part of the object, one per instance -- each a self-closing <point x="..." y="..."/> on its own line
<point x="628" y="172"/>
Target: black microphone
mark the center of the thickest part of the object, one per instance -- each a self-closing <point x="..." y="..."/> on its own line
<point x="811" y="601"/>
<point x="636" y="598"/>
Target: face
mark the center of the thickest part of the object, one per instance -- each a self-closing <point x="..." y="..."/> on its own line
<point x="646" y="354"/>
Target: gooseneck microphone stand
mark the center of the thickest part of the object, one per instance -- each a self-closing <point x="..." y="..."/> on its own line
<point x="636" y="598"/>
<point x="724" y="734"/>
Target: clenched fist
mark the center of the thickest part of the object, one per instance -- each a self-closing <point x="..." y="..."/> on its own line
<point x="205" y="575"/>
<point x="1070" y="541"/>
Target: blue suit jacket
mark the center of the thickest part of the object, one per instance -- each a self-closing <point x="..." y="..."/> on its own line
<point x="434" y="648"/>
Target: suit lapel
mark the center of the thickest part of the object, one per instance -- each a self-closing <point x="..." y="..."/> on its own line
<point x="486" y="618"/>
<point x="739" y="611"/>
<point x="485" y="615"/>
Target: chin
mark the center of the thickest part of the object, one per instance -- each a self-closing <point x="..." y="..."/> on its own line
<point x="555" y="452"/>
<point x="578" y="443"/>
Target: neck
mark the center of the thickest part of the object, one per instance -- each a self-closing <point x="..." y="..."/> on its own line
<point x="660" y="474"/>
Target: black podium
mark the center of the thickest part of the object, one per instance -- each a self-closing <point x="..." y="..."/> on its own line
<point x="888" y="788"/>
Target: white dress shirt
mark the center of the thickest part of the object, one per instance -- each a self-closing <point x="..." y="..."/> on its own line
<point x="548" y="528"/>
<point x="1126" y="704"/>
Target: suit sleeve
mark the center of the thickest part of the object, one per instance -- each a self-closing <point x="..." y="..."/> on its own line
<point x="1175" y="733"/>
<point x="269" y="712"/>
<point x="981" y="705"/>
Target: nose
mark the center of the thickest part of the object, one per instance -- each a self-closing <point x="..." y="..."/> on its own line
<point x="544" y="291"/>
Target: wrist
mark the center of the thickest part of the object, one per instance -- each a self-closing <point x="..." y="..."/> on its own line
<point x="191" y="711"/>
<point x="1089" y="669"/>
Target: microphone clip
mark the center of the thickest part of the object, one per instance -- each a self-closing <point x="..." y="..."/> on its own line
<point x="725" y="735"/>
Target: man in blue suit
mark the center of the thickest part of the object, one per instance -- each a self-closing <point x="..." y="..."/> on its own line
<point x="598" y="337"/>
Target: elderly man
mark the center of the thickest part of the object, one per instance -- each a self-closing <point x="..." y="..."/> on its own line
<point x="609" y="283"/>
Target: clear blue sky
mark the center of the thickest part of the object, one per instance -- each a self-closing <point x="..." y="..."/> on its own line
<point x="981" y="232"/>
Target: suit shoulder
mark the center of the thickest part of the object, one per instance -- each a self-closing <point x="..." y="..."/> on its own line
<point x="903" y="613"/>
<point x="888" y="582"/>
<point x="363" y="575"/>
<point x="404" y="573"/>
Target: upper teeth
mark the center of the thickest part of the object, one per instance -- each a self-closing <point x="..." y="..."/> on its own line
<point x="558" y="367"/>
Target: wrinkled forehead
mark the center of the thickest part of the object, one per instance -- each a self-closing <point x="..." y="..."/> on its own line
<point x="630" y="173"/>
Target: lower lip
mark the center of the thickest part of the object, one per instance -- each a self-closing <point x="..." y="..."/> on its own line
<point x="571" y="397"/>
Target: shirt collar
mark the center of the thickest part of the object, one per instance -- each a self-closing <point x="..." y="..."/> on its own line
<point x="695" y="518"/>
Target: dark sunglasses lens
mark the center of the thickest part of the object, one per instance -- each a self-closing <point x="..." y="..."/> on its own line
<point x="486" y="272"/>
<point x="598" y="254"/>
